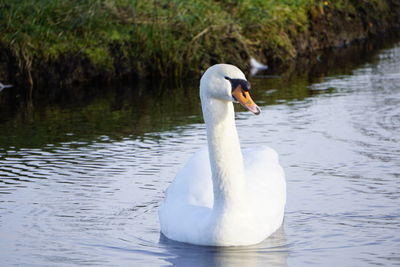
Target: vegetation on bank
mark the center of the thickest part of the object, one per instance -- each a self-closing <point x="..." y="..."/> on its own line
<point x="78" y="40"/>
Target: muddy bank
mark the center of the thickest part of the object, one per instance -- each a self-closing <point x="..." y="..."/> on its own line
<point x="332" y="28"/>
<point x="324" y="25"/>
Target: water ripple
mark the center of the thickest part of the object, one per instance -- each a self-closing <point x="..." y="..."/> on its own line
<point x="95" y="203"/>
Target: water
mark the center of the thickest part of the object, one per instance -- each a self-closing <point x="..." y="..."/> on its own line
<point x="81" y="180"/>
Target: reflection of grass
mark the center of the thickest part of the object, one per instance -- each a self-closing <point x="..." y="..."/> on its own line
<point x="160" y="37"/>
<point x="113" y="112"/>
<point x="86" y="113"/>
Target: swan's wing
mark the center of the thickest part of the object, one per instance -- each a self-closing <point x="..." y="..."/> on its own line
<point x="192" y="184"/>
<point x="188" y="201"/>
<point x="265" y="183"/>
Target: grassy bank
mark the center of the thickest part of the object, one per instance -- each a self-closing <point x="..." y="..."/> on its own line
<point x="66" y="41"/>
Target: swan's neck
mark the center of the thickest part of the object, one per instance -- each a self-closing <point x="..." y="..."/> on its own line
<point x="225" y="155"/>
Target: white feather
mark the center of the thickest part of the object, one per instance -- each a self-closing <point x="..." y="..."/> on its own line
<point x="256" y="66"/>
<point x="4" y="86"/>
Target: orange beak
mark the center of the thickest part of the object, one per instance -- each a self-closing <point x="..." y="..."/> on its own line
<point x="244" y="98"/>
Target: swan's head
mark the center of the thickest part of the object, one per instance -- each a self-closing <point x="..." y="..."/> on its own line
<point x="227" y="83"/>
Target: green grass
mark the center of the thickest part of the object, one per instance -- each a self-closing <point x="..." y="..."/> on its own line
<point x="159" y="37"/>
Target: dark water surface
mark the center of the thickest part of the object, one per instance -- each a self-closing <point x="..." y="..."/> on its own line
<point x="81" y="178"/>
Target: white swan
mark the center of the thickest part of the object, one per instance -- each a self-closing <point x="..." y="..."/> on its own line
<point x="218" y="199"/>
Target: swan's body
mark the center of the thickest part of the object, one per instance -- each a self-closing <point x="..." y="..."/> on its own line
<point x="218" y="198"/>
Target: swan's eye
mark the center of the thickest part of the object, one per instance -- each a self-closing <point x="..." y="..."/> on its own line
<point x="227" y="78"/>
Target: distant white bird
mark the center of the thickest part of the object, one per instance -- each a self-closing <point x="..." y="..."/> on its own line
<point x="4" y="86"/>
<point x="256" y="66"/>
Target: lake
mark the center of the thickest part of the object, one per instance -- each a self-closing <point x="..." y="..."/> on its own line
<point x="82" y="171"/>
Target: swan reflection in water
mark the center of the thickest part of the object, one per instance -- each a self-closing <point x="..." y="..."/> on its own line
<point x="271" y="252"/>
